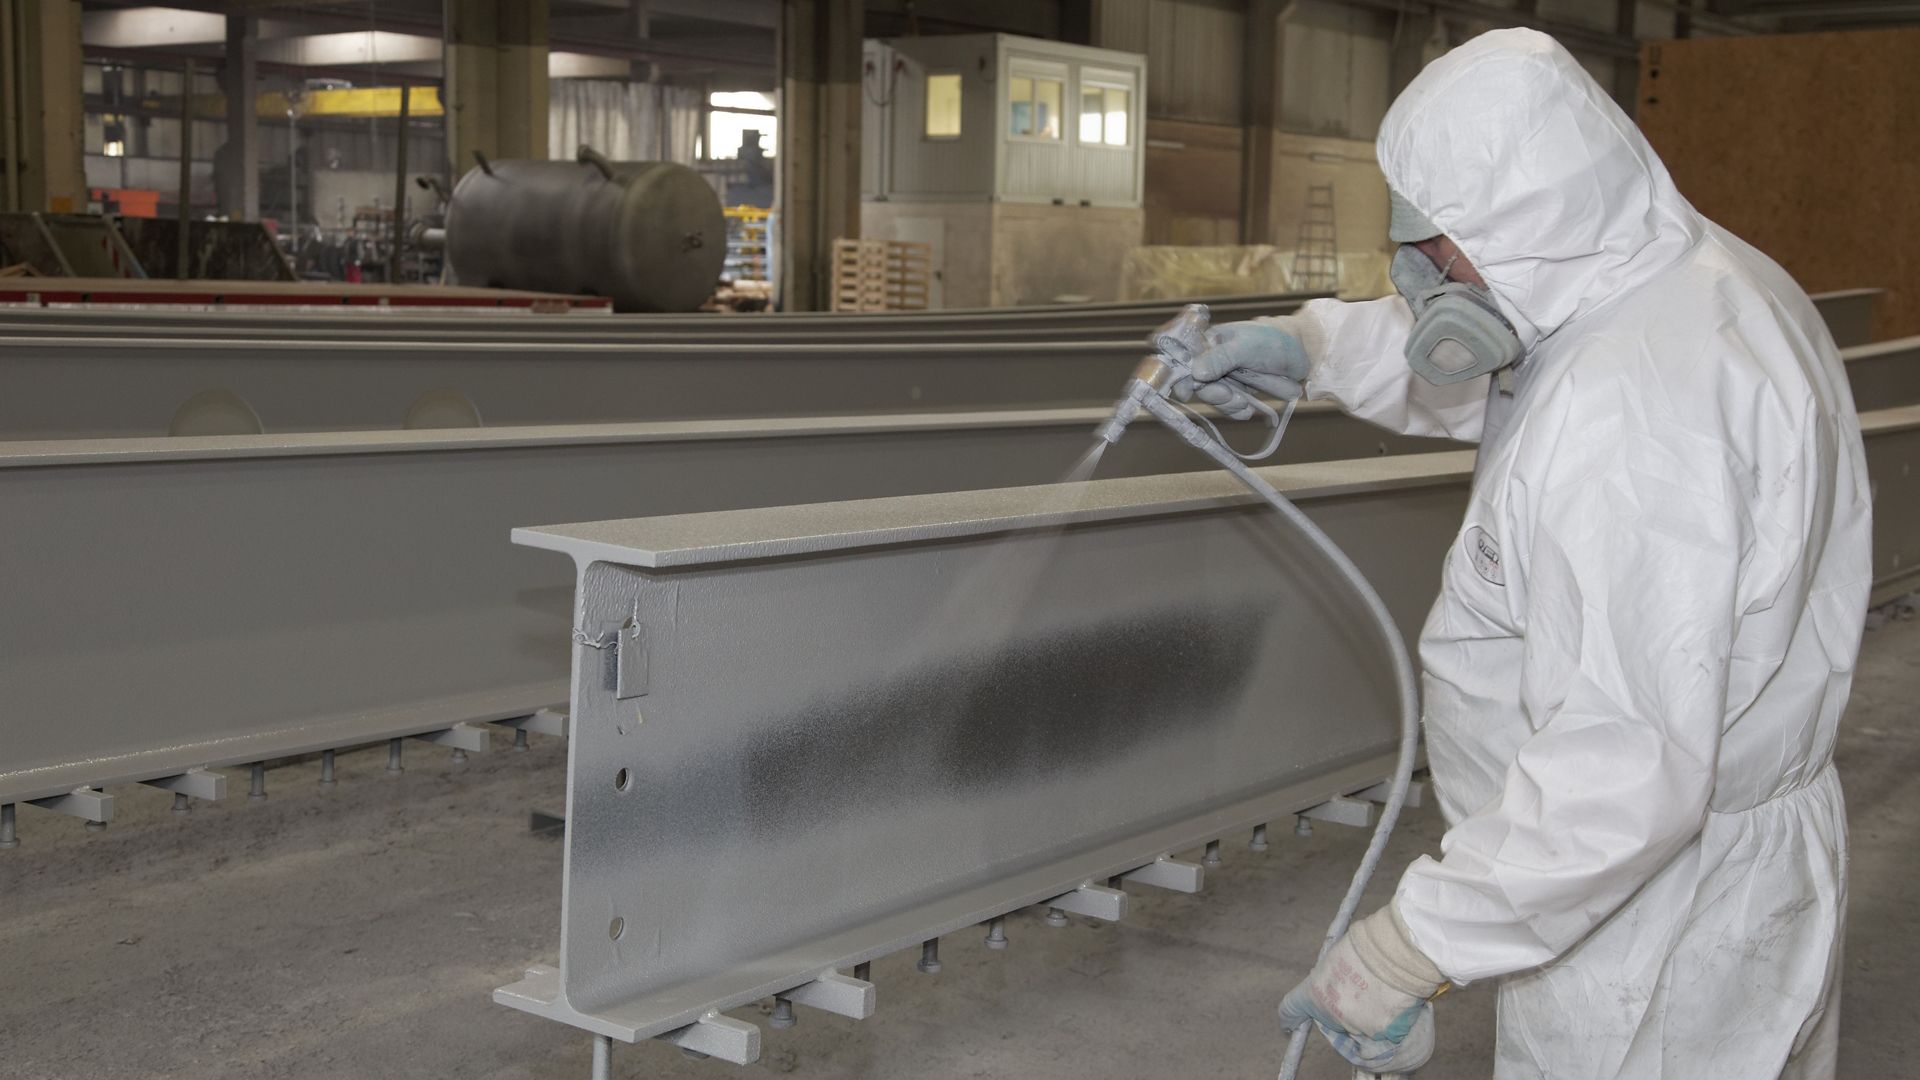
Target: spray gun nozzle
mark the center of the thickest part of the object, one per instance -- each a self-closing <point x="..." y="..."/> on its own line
<point x="1152" y="377"/>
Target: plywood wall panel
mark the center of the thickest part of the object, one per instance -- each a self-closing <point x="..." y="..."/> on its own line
<point x="1805" y="145"/>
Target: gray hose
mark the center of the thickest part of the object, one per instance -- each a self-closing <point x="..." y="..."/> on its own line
<point x="1169" y="414"/>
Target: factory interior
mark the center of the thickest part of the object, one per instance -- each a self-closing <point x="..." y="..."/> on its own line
<point x="551" y="539"/>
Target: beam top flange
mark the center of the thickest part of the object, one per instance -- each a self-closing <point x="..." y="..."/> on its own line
<point x="727" y="536"/>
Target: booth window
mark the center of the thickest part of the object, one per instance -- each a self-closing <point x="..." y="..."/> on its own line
<point x="943" y="106"/>
<point x="1033" y="105"/>
<point x="1104" y="114"/>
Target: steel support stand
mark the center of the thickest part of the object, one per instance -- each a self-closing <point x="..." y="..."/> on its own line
<point x="259" y="791"/>
<point x="930" y="956"/>
<point x="602" y="1057"/>
<point x="326" y="768"/>
<point x="8" y="836"/>
<point x="519" y="738"/>
<point x="1259" y="841"/>
<point x="393" y="756"/>
<point x="1213" y="853"/>
<point x="997" y="933"/>
<point x="180" y="803"/>
<point x="782" y="1017"/>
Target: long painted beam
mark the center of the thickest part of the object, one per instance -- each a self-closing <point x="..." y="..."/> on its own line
<point x="86" y="388"/>
<point x="104" y="387"/>
<point x="1102" y="321"/>
<point x="1848" y="314"/>
<point x="180" y="603"/>
<point x="805" y="737"/>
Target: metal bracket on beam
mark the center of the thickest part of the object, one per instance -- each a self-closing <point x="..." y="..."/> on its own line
<point x="630" y="662"/>
<point x="199" y="783"/>
<point x="1169" y="873"/>
<point x="1416" y="793"/>
<point x="459" y="736"/>
<point x="1093" y="901"/>
<point x="717" y="1035"/>
<point x="1342" y="810"/>
<point x="95" y="806"/>
<point x="836" y="993"/>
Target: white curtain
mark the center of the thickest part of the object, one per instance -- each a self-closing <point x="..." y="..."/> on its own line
<point x="624" y="121"/>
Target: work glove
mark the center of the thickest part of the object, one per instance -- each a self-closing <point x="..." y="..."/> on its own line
<point x="1263" y="356"/>
<point x="1370" y="996"/>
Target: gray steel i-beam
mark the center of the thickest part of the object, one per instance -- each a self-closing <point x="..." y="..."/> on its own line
<point x="299" y="593"/>
<point x="92" y="388"/>
<point x="805" y="737"/>
<point x="808" y="736"/>
<point x="1848" y="314"/>
<point x="95" y="388"/>
<point x="1096" y="321"/>
<point x="291" y="594"/>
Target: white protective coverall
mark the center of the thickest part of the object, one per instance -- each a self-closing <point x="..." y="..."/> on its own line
<point x="1647" y="626"/>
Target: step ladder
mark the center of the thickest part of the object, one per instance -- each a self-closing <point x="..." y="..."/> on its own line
<point x="1316" y="264"/>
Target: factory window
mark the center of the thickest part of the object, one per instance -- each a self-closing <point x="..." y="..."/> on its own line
<point x="738" y="121"/>
<point x="1033" y="104"/>
<point x="1104" y="114"/>
<point x="943" y="106"/>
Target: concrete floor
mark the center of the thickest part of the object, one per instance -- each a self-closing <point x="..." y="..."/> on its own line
<point x="357" y="932"/>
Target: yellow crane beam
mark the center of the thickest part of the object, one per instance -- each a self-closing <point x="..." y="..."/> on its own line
<point x="358" y="102"/>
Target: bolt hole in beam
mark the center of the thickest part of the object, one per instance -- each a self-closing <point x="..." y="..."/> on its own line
<point x="622" y="780"/>
<point x="616" y="928"/>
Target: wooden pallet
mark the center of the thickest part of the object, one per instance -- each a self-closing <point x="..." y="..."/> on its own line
<point x="881" y="275"/>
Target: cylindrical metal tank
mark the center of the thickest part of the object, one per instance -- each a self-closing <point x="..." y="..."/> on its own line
<point x="649" y="235"/>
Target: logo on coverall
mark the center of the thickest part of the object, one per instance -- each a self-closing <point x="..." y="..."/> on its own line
<point x="1485" y="552"/>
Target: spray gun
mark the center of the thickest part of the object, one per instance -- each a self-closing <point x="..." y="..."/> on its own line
<point x="1150" y="390"/>
<point x="1175" y="345"/>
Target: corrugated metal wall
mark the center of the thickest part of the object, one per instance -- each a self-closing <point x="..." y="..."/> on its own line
<point x="1196" y="53"/>
<point x="1335" y="70"/>
<point x="1196" y="60"/>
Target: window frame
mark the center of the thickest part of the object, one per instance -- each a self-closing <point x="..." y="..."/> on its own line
<point x="1103" y="80"/>
<point x="1036" y="72"/>
<point x="926" y="106"/>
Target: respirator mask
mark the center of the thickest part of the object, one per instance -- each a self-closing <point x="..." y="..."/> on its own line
<point x="1458" y="331"/>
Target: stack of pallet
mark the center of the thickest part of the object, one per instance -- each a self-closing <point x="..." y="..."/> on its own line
<point x="881" y="275"/>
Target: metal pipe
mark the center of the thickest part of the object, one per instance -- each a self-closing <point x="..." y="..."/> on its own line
<point x="10" y="94"/>
<point x="400" y="186"/>
<point x="602" y="1058"/>
<point x="183" y="254"/>
<point x="293" y="172"/>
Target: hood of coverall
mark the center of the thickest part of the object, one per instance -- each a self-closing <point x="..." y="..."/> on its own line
<point x="1511" y="149"/>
